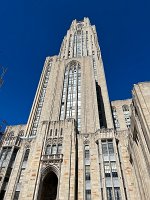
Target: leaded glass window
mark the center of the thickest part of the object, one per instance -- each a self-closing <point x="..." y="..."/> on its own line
<point x="71" y="96"/>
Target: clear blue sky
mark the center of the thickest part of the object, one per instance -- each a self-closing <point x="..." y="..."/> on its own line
<point x="30" y="30"/>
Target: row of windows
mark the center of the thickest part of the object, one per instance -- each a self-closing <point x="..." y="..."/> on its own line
<point x="110" y="170"/>
<point x="124" y="108"/>
<point x="12" y="134"/>
<point x="127" y="118"/>
<point x="94" y="67"/>
<point x="53" y="149"/>
<point x="94" y="61"/>
<point x="9" y="165"/>
<point x="87" y="173"/>
<point x="113" y="193"/>
<point x="55" y="132"/>
<point x="107" y="147"/>
<point x="115" y="117"/>
<point x="21" y="175"/>
<point x="40" y="102"/>
<point x="78" y="45"/>
<point x="4" y="157"/>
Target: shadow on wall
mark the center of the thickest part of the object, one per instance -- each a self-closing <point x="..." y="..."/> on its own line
<point x="101" y="110"/>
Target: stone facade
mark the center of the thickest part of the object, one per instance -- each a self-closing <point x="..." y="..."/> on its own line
<point x="121" y="111"/>
<point x="76" y="144"/>
<point x="139" y="138"/>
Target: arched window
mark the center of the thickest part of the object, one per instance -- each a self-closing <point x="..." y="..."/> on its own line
<point x="79" y="26"/>
<point x="71" y="96"/>
<point x="125" y="108"/>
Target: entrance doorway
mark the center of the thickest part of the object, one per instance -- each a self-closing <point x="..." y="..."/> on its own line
<point x="49" y="187"/>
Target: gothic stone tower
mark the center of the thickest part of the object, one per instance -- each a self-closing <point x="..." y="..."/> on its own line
<point x="68" y="149"/>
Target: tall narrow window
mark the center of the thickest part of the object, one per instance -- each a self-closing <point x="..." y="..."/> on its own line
<point x="114" y="169"/>
<point x="26" y="155"/>
<point x="110" y="147"/>
<point x="126" y="113"/>
<point x="21" y="175"/>
<point x="71" y="96"/>
<point x="109" y="193"/>
<point x="117" y="193"/>
<point x="61" y="132"/>
<point x="87" y="42"/>
<point x="110" y="171"/>
<point x="51" y="132"/>
<point x="87" y="152"/>
<point x="74" y="45"/>
<point x="94" y="67"/>
<point x="48" y="149"/>
<point x="9" y="165"/>
<point x="54" y="149"/>
<point x="115" y="117"/>
<point x="59" y="151"/>
<point x="87" y="172"/>
<point x="107" y="169"/>
<point x="3" y="156"/>
<point x="56" y="132"/>
<point x="79" y="43"/>
<point x="104" y="148"/>
<point x="88" y="195"/>
<point x="16" y="197"/>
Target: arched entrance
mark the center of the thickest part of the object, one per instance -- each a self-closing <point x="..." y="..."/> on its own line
<point x="49" y="187"/>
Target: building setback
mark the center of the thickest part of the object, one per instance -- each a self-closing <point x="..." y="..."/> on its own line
<point x="77" y="145"/>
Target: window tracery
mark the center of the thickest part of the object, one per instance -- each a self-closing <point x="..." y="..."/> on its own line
<point x="71" y="96"/>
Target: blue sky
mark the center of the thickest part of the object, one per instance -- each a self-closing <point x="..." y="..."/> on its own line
<point x="30" y="30"/>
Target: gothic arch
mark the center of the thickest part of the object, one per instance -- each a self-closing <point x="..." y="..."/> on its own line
<point x="125" y="107"/>
<point x="49" y="183"/>
<point x="73" y="63"/>
<point x="48" y="169"/>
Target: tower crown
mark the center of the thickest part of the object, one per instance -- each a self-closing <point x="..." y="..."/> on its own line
<point x="81" y="40"/>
